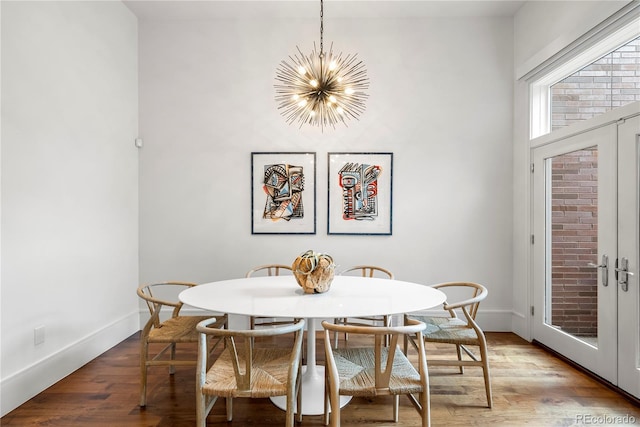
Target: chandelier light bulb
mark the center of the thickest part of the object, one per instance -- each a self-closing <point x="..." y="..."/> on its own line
<point x="302" y="71"/>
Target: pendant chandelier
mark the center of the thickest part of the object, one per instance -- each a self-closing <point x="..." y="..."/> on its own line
<point x="321" y="89"/>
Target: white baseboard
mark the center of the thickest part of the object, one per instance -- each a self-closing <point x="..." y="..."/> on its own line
<point x="25" y="384"/>
<point x="495" y="320"/>
<point x="520" y="325"/>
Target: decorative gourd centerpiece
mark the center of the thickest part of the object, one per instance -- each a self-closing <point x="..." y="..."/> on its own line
<point x="314" y="272"/>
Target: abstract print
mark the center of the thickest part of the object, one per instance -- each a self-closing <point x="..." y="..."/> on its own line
<point x="359" y="184"/>
<point x="283" y="185"/>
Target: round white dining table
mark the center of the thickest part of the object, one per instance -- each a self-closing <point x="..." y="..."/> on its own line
<point x="281" y="296"/>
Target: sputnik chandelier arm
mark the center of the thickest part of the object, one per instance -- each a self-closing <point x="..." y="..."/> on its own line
<point x="321" y="89"/>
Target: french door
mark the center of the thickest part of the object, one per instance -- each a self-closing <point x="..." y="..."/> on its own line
<point x="586" y="301"/>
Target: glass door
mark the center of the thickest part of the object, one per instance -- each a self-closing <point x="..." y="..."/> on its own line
<point x="574" y="245"/>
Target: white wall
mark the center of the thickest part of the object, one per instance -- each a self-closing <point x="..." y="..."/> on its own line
<point x="563" y="23"/>
<point x="543" y="28"/>
<point x="69" y="188"/>
<point x="440" y="100"/>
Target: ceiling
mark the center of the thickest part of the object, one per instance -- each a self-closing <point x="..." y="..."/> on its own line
<point x="228" y="9"/>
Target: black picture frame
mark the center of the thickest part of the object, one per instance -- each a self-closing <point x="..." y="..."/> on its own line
<point x="283" y="193"/>
<point x="352" y="209"/>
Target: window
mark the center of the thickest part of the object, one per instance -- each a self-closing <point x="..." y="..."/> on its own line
<point x="610" y="82"/>
<point x="589" y="78"/>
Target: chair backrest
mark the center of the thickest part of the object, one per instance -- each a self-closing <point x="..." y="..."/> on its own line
<point x="242" y="359"/>
<point x="270" y="270"/>
<point x="155" y="295"/>
<point x="473" y="293"/>
<point x="369" y="271"/>
<point x="383" y="371"/>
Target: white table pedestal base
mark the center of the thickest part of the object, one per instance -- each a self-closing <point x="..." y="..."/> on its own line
<point x="312" y="393"/>
<point x="312" y="384"/>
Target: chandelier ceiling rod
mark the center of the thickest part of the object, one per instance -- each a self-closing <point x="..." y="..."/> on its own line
<point x="321" y="26"/>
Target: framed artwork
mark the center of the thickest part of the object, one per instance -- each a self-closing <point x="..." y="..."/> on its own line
<point x="283" y="193"/>
<point x="360" y="193"/>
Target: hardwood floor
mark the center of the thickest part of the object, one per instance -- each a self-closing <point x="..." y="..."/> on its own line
<point x="530" y="387"/>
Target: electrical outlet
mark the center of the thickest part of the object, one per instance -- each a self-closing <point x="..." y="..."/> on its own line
<point x="38" y="335"/>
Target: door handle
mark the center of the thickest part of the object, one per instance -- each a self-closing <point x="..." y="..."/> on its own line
<point x="605" y="269"/>
<point x="623" y="273"/>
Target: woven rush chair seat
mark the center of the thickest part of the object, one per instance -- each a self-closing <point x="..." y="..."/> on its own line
<point x="448" y="330"/>
<point x="382" y="320"/>
<point x="244" y="370"/>
<point x="459" y="331"/>
<point x="177" y="329"/>
<point x="376" y="370"/>
<point x="357" y="368"/>
<point x="269" y="376"/>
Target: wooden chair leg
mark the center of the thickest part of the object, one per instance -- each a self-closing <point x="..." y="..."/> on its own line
<point x="331" y="405"/>
<point x="326" y="402"/>
<point x="172" y="368"/>
<point x="396" y="407"/>
<point x="290" y="414"/>
<point x="299" y="400"/>
<point x="426" y="408"/>
<point x="487" y="374"/>
<point x="335" y="409"/>
<point x="459" y="351"/>
<point x="201" y="416"/>
<point x="144" y="354"/>
<point x="425" y="401"/>
<point x="229" y="408"/>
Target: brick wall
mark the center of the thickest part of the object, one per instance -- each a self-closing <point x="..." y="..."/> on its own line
<point x="610" y="82"/>
<point x="574" y="242"/>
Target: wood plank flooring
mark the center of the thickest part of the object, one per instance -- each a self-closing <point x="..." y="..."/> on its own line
<point x="530" y="386"/>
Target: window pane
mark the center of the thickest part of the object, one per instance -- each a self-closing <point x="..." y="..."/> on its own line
<point x="610" y="82"/>
<point x="574" y="244"/>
